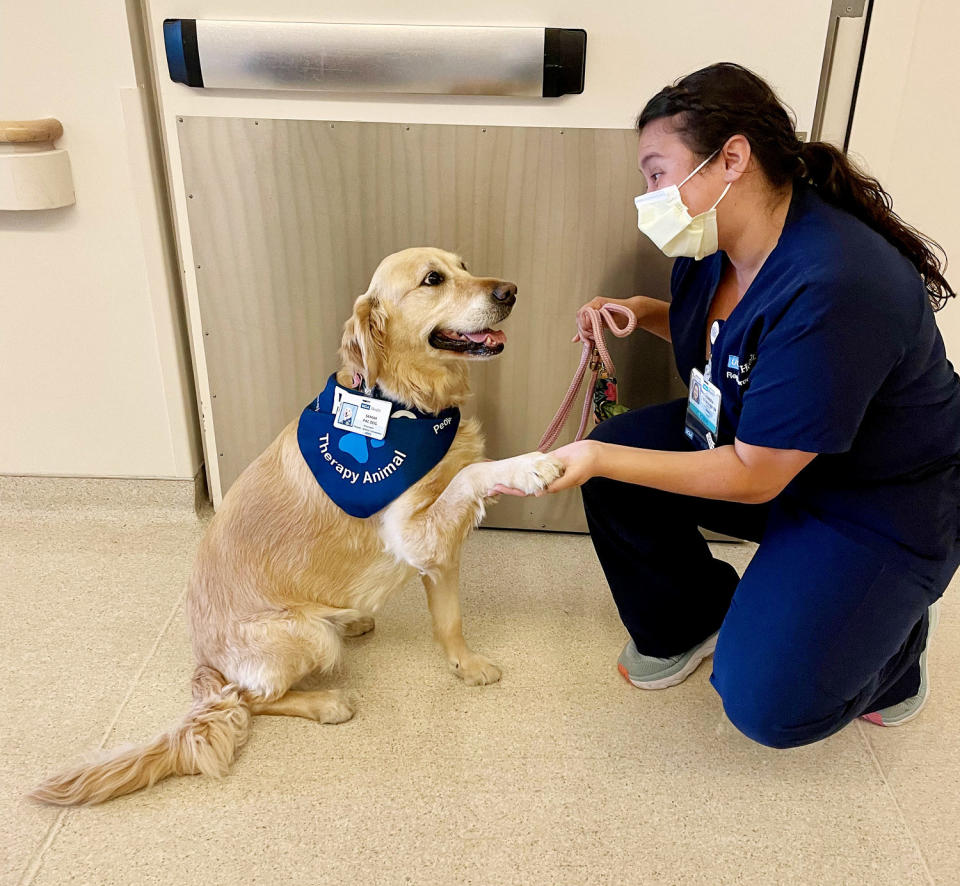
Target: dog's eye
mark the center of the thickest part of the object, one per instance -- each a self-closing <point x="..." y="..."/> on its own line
<point x="434" y="278"/>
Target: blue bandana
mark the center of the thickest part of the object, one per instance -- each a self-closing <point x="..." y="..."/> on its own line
<point x="362" y="475"/>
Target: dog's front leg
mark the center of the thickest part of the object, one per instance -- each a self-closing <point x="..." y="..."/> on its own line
<point x="430" y="540"/>
<point x="443" y="598"/>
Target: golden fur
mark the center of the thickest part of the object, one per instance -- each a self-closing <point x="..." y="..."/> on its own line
<point x="276" y="586"/>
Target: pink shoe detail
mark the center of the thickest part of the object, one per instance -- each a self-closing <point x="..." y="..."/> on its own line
<point x="873" y="718"/>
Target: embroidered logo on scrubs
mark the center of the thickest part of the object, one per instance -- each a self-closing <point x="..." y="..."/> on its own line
<point x="740" y="372"/>
<point x="362" y="475"/>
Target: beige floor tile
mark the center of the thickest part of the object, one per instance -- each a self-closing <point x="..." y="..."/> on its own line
<point x="559" y="774"/>
<point x="83" y="604"/>
<point x="921" y="759"/>
<point x="296" y="817"/>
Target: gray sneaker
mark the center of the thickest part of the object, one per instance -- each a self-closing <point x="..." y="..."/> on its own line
<point x="905" y="711"/>
<point x="649" y="672"/>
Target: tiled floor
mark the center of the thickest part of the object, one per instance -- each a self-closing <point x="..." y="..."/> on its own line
<point x="559" y="774"/>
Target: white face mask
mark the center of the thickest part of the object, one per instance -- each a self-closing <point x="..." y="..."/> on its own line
<point x="664" y="218"/>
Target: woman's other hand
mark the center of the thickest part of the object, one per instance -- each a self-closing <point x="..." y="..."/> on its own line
<point x="596" y="304"/>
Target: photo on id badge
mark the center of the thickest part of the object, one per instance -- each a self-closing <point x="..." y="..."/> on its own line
<point x="347" y="413"/>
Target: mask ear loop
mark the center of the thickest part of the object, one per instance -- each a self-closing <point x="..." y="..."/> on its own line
<point x="695" y="171"/>
<point x="724" y="194"/>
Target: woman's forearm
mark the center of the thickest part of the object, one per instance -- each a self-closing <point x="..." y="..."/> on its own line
<point x="711" y="473"/>
<point x="652" y="315"/>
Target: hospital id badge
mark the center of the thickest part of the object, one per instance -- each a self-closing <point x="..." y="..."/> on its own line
<point x="703" y="411"/>
<point x="362" y="415"/>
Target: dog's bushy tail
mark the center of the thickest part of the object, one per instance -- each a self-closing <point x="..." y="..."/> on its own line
<point x="204" y="743"/>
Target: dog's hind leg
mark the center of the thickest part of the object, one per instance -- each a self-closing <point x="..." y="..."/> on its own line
<point x="276" y="649"/>
<point x="307" y="639"/>
<point x="363" y="625"/>
<point x="322" y="705"/>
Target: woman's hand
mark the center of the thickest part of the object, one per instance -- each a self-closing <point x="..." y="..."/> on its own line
<point x="580" y="464"/>
<point x="596" y="304"/>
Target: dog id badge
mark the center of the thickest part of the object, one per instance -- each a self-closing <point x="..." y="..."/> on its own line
<point x="703" y="411"/>
<point x="361" y="415"/>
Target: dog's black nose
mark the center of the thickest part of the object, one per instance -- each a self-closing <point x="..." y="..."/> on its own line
<point x="505" y="293"/>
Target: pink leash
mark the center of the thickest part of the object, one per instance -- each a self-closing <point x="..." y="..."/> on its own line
<point x="594" y="352"/>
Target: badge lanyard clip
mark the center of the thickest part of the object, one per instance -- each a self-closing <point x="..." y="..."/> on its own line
<point x="714" y="332"/>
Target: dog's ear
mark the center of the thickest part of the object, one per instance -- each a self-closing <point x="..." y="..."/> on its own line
<point x="361" y="347"/>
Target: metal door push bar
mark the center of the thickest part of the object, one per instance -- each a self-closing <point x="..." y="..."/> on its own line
<point x="433" y="59"/>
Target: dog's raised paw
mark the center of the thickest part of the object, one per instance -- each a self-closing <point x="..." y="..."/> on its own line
<point x="532" y="472"/>
<point x="549" y="468"/>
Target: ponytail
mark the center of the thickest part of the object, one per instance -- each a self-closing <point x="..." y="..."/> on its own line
<point x="726" y="99"/>
<point x="839" y="181"/>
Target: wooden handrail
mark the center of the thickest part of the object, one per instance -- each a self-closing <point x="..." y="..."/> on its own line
<point x="30" y="131"/>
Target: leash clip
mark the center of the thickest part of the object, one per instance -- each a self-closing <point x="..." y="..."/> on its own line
<point x="595" y="361"/>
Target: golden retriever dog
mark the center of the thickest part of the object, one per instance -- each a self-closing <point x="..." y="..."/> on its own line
<point x="282" y="574"/>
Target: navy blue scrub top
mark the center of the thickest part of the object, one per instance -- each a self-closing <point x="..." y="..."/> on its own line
<point x="834" y="349"/>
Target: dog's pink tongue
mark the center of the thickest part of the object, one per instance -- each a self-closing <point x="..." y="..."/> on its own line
<point x="491" y="336"/>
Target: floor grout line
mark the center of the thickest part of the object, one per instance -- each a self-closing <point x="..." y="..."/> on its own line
<point x="896" y="802"/>
<point x="36" y="860"/>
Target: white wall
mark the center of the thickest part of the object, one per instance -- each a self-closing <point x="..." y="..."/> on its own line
<point x="94" y="368"/>
<point x="95" y="377"/>
<point x="907" y="125"/>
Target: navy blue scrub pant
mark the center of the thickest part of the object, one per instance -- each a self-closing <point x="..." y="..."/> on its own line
<point x="819" y="630"/>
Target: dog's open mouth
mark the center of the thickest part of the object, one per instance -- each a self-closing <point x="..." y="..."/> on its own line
<point x="484" y="343"/>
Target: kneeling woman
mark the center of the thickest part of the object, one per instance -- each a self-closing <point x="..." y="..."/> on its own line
<point x="826" y="427"/>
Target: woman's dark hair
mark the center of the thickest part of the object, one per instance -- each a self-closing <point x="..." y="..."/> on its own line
<point x="726" y="99"/>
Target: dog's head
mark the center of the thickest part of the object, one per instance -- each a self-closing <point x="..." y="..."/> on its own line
<point x="424" y="317"/>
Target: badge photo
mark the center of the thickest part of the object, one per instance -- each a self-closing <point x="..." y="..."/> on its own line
<point x="347" y="414"/>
